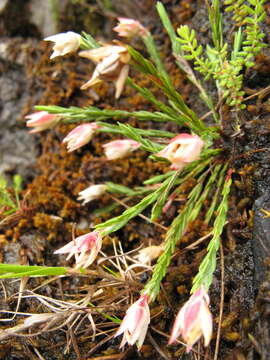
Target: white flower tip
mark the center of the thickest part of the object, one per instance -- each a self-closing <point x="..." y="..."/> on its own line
<point x="54" y="55"/>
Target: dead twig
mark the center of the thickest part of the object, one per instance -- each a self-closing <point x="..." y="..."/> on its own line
<point x="110" y="357"/>
<point x="157" y="348"/>
<point x="263" y="91"/>
<point x="75" y="344"/>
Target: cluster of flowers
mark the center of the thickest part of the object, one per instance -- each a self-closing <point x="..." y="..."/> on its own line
<point x="194" y="319"/>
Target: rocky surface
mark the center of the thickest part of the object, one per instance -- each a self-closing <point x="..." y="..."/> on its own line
<point x="18" y="148"/>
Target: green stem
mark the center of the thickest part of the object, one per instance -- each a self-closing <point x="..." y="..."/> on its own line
<point x="118" y="222"/>
<point x="168" y="87"/>
<point x="174" y="234"/>
<point x="208" y="265"/>
<point x="75" y="114"/>
<point x="9" y="271"/>
<point x="177" y="230"/>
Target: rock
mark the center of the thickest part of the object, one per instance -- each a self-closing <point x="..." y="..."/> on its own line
<point x="18" y="148"/>
<point x="261" y="237"/>
<point x="12" y="253"/>
<point x="43" y="15"/>
<point x="3" y="4"/>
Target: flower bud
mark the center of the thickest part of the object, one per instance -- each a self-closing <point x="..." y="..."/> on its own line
<point x="150" y="253"/>
<point x="91" y="193"/>
<point x="41" y="120"/>
<point x="88" y="246"/>
<point x="194" y="320"/>
<point x="135" y="323"/>
<point x="80" y="136"/>
<point x="64" y="43"/>
<point x="120" y="148"/>
<point x="182" y="150"/>
<point x="112" y="65"/>
<point x="129" y="28"/>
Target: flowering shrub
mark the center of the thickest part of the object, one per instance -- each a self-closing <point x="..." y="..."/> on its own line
<point x="195" y="153"/>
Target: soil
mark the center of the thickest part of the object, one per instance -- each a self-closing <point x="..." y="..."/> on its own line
<point x="53" y="178"/>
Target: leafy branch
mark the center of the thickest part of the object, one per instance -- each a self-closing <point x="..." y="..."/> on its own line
<point x="181" y="61"/>
<point x="237" y="7"/>
<point x="189" y="45"/>
<point x="173" y="236"/>
<point x="159" y="77"/>
<point x="247" y="44"/>
<point x="75" y="114"/>
<point x="196" y="199"/>
<point x="253" y="43"/>
<point x="118" y="222"/>
<point x="208" y="265"/>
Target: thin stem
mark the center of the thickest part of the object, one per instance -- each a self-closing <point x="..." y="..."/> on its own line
<point x="177" y="229"/>
<point x="221" y="302"/>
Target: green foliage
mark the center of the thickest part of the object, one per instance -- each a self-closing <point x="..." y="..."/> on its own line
<point x="118" y="222"/>
<point x="253" y="44"/>
<point x="9" y="198"/>
<point x="190" y="212"/>
<point x="9" y="271"/>
<point x="216" y="65"/>
<point x="158" y="206"/>
<point x="136" y="134"/>
<point x="173" y="236"/>
<point x="237" y="7"/>
<point x="124" y="190"/>
<point x="88" y="42"/>
<point x="215" y="198"/>
<point x="168" y="26"/>
<point x="225" y="69"/>
<point x="158" y="178"/>
<point x="208" y="265"/>
<point x="160" y="78"/>
<point x="75" y="114"/>
<point x="182" y="62"/>
<point x="215" y="18"/>
<point x="193" y="51"/>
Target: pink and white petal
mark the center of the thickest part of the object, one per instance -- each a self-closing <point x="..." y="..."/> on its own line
<point x="93" y="81"/>
<point x="206" y="325"/>
<point x="70" y="247"/>
<point x="121" y="80"/>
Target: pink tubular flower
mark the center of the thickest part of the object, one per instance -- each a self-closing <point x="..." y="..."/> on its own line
<point x="91" y="193"/>
<point x="194" y="320"/>
<point x="80" y="136"/>
<point x="119" y="148"/>
<point x="88" y="246"/>
<point x="112" y="65"/>
<point x="135" y="323"/>
<point x="64" y="43"/>
<point x="41" y="120"/>
<point x="182" y="150"/>
<point x="129" y="28"/>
